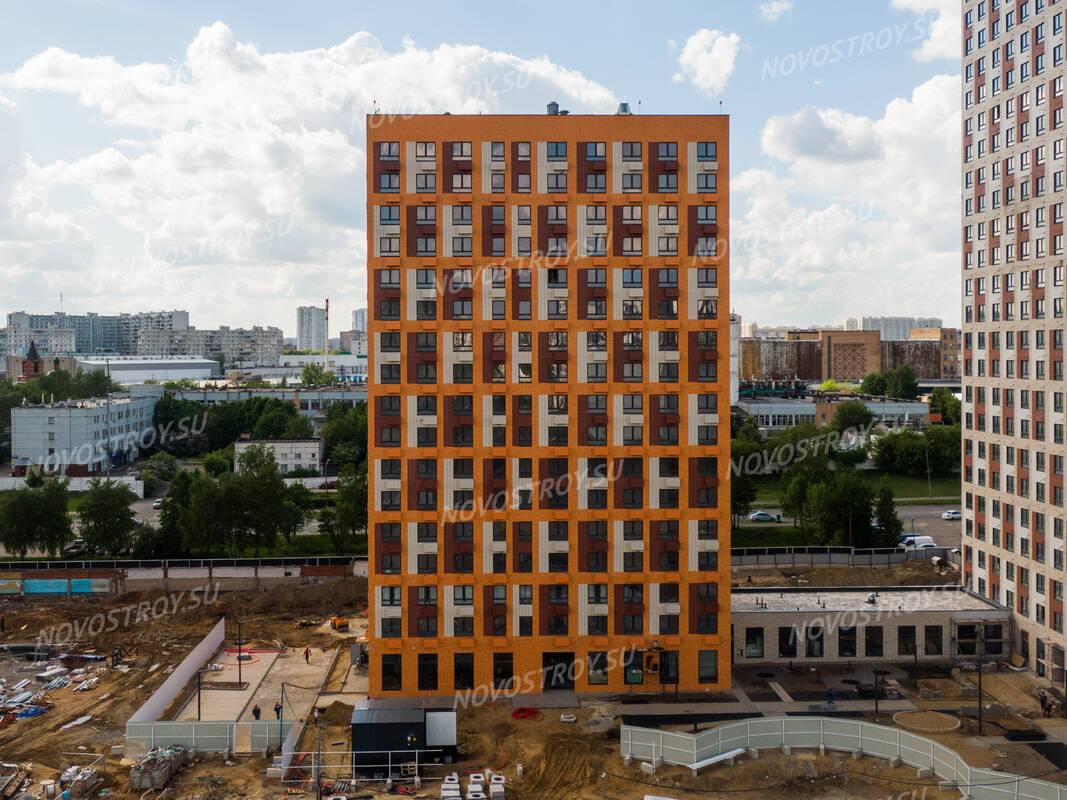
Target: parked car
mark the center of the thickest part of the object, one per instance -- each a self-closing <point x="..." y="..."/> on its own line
<point x="328" y="485"/>
<point x="157" y="503"/>
<point x="951" y="515"/>
<point x="75" y="548"/>
<point x="762" y="516"/>
<point x="917" y="542"/>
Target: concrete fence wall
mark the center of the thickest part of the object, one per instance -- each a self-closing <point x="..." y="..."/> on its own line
<point x="183" y="673"/>
<point x="684" y="749"/>
<point x="79" y="484"/>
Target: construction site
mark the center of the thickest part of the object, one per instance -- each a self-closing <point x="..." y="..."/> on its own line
<point x="263" y="694"/>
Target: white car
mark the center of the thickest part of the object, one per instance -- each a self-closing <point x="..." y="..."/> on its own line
<point x="951" y="515"/>
<point x="158" y="503"/>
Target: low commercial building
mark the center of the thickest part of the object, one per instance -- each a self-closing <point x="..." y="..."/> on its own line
<point x="81" y="437"/>
<point x="309" y="402"/>
<point x="127" y="370"/>
<point x="776" y="413"/>
<point x="819" y="626"/>
<point x="290" y="454"/>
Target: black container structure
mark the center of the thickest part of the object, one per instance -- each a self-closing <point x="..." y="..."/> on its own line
<point x="397" y="742"/>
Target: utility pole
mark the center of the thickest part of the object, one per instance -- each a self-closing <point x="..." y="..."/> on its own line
<point x="876" y="690"/>
<point x="239" y="651"/>
<point x="318" y="762"/>
<point x="281" y="720"/>
<point x="929" y="483"/>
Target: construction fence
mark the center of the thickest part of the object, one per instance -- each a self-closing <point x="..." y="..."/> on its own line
<point x="879" y="741"/>
<point x="836" y="556"/>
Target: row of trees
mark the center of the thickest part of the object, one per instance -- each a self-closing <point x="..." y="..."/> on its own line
<point x="899" y="382"/>
<point x="820" y="488"/>
<point x="909" y="452"/>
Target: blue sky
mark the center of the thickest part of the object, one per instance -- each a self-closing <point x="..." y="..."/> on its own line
<point x="209" y="156"/>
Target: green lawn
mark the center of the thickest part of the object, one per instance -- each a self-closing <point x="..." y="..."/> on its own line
<point x="74" y="501"/>
<point x="767" y="486"/>
<point x="784" y="535"/>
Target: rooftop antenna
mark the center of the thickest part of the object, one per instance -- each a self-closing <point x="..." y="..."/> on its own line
<point x="61" y="302"/>
<point x="638" y="106"/>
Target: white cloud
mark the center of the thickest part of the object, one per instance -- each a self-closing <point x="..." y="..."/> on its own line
<point x="774" y="9"/>
<point x="235" y="183"/>
<point x="938" y="27"/>
<point x="707" y="59"/>
<point x="861" y="217"/>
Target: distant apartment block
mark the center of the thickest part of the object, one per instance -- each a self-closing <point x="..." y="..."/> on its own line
<point x="549" y="406"/>
<point x="256" y="345"/>
<point x="96" y="333"/>
<point x="359" y="320"/>
<point x="15" y="341"/>
<point x="950" y="340"/>
<point x="892" y="328"/>
<point x="310" y="328"/>
<point x="354" y="342"/>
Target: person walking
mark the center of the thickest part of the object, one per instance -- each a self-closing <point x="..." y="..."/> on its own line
<point x="256" y="711"/>
<point x="316" y="715"/>
<point x="830" y="696"/>
<point x="277" y="710"/>
<point x="307" y="655"/>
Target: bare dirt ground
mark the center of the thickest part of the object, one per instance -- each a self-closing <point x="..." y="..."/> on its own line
<point x="913" y="573"/>
<point x="154" y="648"/>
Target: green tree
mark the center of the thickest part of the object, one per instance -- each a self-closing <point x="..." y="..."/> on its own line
<point x="298" y="427"/>
<point x="945" y="403"/>
<point x="107" y="517"/>
<point x="315" y="374"/>
<point x="901" y="382"/>
<point x="271" y="425"/>
<point x="889" y="527"/>
<point x="35" y="517"/>
<point x="851" y="414"/>
<point x="875" y="384"/>
<point x="742" y="495"/>
<point x="296" y="508"/>
<point x="794" y="498"/>
<point x="216" y="463"/>
<point x="256" y="496"/>
<point x="207" y="524"/>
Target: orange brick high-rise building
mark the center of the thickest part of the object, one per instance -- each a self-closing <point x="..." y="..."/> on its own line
<point x="548" y="326"/>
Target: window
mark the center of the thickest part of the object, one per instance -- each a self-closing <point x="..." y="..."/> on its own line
<point x="667" y="151"/>
<point x="707" y="151"/>
<point x="631" y="151"/>
<point x="425" y="151"/>
<point x="667" y="182"/>
<point x="557" y="151"/>
<point x="392" y="672"/>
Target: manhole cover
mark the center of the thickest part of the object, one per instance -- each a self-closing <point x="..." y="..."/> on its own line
<point x="765" y="674"/>
<point x="852" y="681"/>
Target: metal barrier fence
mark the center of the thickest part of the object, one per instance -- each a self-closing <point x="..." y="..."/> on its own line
<point x="685" y="749"/>
<point x="835" y="556"/>
<point x="205" y="736"/>
<point x="176" y="563"/>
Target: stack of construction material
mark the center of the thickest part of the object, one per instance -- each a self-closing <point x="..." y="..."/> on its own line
<point x="154" y="769"/>
<point x="476" y="787"/>
<point x="450" y="789"/>
<point x="82" y="781"/>
<point x="496" y="786"/>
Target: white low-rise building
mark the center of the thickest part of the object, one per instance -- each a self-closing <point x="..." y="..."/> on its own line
<point x="291" y="454"/>
<point x="81" y="437"/>
<point x="126" y="370"/>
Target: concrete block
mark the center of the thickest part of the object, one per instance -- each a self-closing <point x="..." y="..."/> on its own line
<point x="894" y="762"/>
<point x="787" y="750"/>
<point x="118" y="750"/>
<point x="657" y="762"/>
<point x="822" y="749"/>
<point x="626" y="759"/>
<point x="274" y="773"/>
<point x="857" y="755"/>
<point x="648" y="768"/>
<point x="924" y="772"/>
<point x="753" y="752"/>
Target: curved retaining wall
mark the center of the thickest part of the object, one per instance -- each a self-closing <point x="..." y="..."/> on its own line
<point x="683" y="749"/>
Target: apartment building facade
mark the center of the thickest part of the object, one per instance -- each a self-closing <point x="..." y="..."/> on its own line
<point x="548" y="318"/>
<point x="310" y="328"/>
<point x="1012" y="187"/>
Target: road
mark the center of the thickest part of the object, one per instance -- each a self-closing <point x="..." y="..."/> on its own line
<point x="924" y="520"/>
